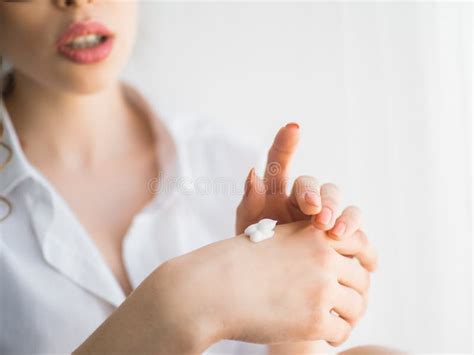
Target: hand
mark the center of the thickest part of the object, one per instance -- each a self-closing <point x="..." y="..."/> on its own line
<point x="279" y="290"/>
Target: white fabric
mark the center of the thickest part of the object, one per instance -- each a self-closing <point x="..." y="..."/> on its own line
<point x="55" y="286"/>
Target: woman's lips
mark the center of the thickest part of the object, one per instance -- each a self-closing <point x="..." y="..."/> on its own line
<point x="86" y="42"/>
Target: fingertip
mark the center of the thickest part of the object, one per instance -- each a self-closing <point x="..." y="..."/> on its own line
<point x="370" y="265"/>
<point x="287" y="138"/>
<point x="324" y="219"/>
<point x="339" y="229"/>
<point x="312" y="199"/>
<point x="292" y="125"/>
<point x="310" y="203"/>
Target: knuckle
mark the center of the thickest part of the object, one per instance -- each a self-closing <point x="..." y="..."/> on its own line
<point x="326" y="258"/>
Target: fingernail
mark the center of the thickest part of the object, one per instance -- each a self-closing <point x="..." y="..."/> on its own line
<point x="324" y="217"/>
<point x="312" y="198"/>
<point x="293" y="125"/>
<point x="339" y="229"/>
<point x="249" y="181"/>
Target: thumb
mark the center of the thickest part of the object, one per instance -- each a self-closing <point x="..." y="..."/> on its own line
<point x="252" y="204"/>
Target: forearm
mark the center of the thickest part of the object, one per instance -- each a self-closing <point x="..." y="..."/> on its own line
<point x="148" y="323"/>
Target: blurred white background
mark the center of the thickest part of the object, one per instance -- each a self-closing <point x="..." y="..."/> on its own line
<point x="382" y="92"/>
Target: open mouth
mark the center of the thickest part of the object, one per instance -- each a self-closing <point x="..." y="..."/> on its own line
<point x="87" y="41"/>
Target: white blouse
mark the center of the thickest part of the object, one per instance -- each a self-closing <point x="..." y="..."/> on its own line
<point x="56" y="287"/>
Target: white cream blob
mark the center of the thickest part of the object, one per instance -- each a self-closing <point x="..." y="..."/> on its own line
<point x="262" y="230"/>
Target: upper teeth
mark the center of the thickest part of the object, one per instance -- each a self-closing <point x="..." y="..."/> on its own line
<point x="85" y="41"/>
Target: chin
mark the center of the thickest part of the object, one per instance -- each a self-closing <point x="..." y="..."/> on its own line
<point x="88" y="83"/>
<point x="90" y="87"/>
<point x="87" y="79"/>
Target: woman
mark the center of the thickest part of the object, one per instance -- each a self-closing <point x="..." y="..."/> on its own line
<point x="104" y="247"/>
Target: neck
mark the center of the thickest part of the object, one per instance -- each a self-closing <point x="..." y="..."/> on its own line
<point x="79" y="131"/>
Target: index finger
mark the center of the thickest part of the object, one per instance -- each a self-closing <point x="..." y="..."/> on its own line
<point x="279" y="158"/>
